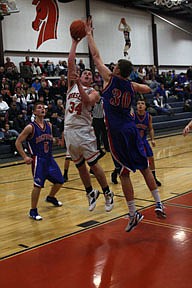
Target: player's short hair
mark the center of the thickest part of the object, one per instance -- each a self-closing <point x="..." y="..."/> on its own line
<point x="37" y="103"/>
<point x="125" y="67"/>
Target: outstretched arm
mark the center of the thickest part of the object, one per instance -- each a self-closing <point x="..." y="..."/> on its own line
<point x="141" y="88"/>
<point x="103" y="70"/>
<point x="71" y="63"/>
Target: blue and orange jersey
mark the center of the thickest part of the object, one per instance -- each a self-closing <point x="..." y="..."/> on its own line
<point x="41" y="140"/>
<point x="142" y="123"/>
<point x="117" y="101"/>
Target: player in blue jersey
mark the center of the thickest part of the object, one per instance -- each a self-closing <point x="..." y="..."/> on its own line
<point x="143" y="122"/>
<point x="126" y="145"/>
<point x="39" y="138"/>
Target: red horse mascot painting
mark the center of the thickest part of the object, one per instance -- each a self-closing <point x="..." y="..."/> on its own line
<point x="46" y="21"/>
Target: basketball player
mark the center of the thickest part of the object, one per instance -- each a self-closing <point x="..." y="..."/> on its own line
<point x="144" y="123"/>
<point x="126" y="144"/>
<point x="39" y="137"/>
<point x="78" y="131"/>
<point x="126" y="29"/>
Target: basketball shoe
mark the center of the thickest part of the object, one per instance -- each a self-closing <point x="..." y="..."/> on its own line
<point x="159" y="210"/>
<point x="109" y="203"/>
<point x="33" y="213"/>
<point x="92" y="198"/>
<point x="133" y="221"/>
<point x="54" y="201"/>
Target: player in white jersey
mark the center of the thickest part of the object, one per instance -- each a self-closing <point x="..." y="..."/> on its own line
<point x="79" y="134"/>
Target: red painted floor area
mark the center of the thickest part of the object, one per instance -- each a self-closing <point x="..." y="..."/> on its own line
<point x="156" y="254"/>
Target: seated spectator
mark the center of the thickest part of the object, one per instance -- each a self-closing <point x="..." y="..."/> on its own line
<point x="182" y="91"/>
<point x="163" y="92"/>
<point x="161" y="107"/>
<point x="81" y="65"/>
<point x="36" y="84"/>
<point x="62" y="88"/>
<point x="31" y="96"/>
<point x="49" y="68"/>
<point x="20" y="94"/>
<point x="2" y="73"/>
<point x="20" y="122"/>
<point x="11" y="74"/>
<point x="6" y="94"/>
<point x="44" y="91"/>
<point x="3" y="105"/>
<point x="187" y="107"/>
<point x="97" y="79"/>
<point x="10" y="64"/>
<point x="14" y="110"/>
<point x="35" y="67"/>
<point x="10" y="136"/>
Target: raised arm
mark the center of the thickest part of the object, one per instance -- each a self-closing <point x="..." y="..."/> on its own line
<point x="141" y="88"/>
<point x="71" y="63"/>
<point x="103" y="70"/>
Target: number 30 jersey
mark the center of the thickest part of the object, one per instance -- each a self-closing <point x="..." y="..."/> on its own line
<point x="76" y="113"/>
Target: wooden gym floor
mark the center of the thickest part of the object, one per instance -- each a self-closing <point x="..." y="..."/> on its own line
<point x="75" y="248"/>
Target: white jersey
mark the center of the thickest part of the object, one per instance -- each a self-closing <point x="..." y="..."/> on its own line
<point x="76" y="113"/>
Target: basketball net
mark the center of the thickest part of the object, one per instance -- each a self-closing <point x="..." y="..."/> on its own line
<point x="168" y="3"/>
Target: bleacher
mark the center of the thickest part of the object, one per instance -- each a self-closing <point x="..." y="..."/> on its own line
<point x="164" y="124"/>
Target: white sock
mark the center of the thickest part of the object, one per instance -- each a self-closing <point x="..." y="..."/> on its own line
<point x="132" y="208"/>
<point x="156" y="196"/>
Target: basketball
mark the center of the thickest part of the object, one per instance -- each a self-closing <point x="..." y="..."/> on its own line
<point x="77" y="29"/>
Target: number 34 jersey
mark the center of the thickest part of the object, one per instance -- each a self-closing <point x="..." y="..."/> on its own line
<point x="76" y="113"/>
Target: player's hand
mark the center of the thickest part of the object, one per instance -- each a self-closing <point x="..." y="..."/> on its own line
<point x="28" y="160"/>
<point x="153" y="143"/>
<point x="88" y="25"/>
<point x="74" y="77"/>
<point x="186" y="130"/>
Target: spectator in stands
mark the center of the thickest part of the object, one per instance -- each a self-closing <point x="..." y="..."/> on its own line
<point x="6" y="94"/>
<point x="36" y="84"/>
<point x="44" y="91"/>
<point x="187" y="107"/>
<point x="9" y="63"/>
<point x="2" y="73"/>
<point x="81" y="65"/>
<point x="189" y="73"/>
<point x="60" y="69"/>
<point x="10" y="136"/>
<point x="20" y="94"/>
<point x="134" y="75"/>
<point x="97" y="79"/>
<point x="11" y="74"/>
<point x="20" y="122"/>
<point x="3" y="105"/>
<point x="163" y="92"/>
<point x="182" y="79"/>
<point x="35" y="67"/>
<point x="160" y="106"/>
<point x="49" y="68"/>
<point x="13" y="111"/>
<point x="54" y="92"/>
<point x="31" y="96"/>
<point x="62" y="88"/>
